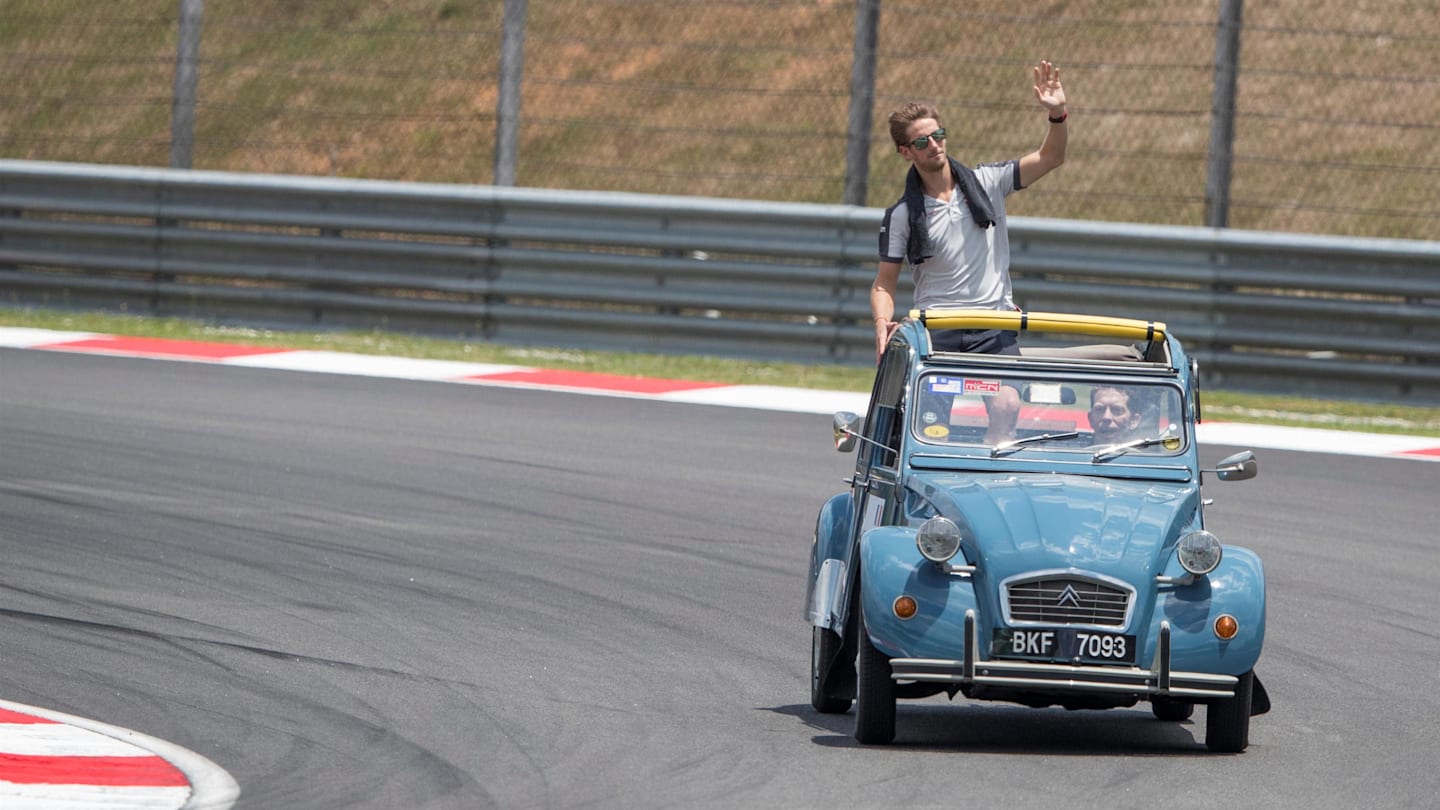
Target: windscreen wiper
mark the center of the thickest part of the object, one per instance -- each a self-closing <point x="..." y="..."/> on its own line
<point x="1014" y="445"/>
<point x="1117" y="450"/>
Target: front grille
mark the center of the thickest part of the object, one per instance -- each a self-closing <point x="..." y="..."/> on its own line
<point x="1068" y="600"/>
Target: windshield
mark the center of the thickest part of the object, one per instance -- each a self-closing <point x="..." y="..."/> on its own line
<point x="1013" y="414"/>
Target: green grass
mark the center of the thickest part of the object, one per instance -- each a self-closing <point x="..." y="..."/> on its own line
<point x="1218" y="405"/>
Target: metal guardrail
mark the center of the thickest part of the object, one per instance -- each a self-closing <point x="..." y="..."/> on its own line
<point x="1334" y="316"/>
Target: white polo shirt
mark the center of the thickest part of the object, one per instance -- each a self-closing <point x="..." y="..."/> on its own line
<point x="968" y="267"/>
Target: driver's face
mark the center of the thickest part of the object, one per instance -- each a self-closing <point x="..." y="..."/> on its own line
<point x="1111" y="412"/>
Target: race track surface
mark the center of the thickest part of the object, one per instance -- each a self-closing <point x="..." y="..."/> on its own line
<point x="352" y="592"/>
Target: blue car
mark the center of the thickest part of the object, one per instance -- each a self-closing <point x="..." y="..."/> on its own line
<point x="1031" y="529"/>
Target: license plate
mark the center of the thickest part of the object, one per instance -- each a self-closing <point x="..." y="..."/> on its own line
<point x="1063" y="644"/>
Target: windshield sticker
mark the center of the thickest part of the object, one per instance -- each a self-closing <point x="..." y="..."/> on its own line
<point x="946" y="385"/>
<point x="982" y="387"/>
<point x="937" y="431"/>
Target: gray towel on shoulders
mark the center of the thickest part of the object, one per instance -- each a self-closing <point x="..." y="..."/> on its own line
<point x="975" y="199"/>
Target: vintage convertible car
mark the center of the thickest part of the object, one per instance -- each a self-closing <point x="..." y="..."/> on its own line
<point x="1030" y="529"/>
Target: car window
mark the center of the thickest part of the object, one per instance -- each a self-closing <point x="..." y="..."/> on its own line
<point x="958" y="409"/>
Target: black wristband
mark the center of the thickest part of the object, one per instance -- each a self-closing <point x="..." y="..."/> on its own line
<point x="1061" y="119"/>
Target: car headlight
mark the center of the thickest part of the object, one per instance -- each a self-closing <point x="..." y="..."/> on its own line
<point x="938" y="539"/>
<point x="1199" y="552"/>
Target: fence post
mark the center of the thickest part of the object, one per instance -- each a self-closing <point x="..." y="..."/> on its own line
<point x="187" y="80"/>
<point x="1222" y="115"/>
<point x="507" y="109"/>
<point x="862" y="101"/>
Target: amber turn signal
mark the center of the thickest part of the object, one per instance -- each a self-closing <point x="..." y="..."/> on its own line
<point x="1226" y="627"/>
<point x="905" y="607"/>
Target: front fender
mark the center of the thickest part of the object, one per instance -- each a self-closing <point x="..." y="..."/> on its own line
<point x="1236" y="587"/>
<point x="891" y="565"/>
<point x="831" y="564"/>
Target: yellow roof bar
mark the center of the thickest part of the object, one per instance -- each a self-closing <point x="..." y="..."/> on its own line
<point x="1099" y="325"/>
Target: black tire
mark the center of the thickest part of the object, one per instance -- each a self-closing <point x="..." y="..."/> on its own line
<point x="825" y="647"/>
<point x="1227" y="722"/>
<point x="875" y="695"/>
<point x="1171" y="710"/>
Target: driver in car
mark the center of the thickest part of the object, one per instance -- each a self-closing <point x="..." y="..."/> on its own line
<point x="1112" y="416"/>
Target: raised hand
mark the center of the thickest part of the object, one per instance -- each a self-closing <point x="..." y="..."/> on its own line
<point x="1048" y="90"/>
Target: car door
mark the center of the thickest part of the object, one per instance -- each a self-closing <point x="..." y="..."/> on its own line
<point x="877" y="468"/>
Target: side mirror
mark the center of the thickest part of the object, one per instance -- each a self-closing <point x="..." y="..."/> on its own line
<point x="847" y="431"/>
<point x="1048" y="394"/>
<point x="1239" y="467"/>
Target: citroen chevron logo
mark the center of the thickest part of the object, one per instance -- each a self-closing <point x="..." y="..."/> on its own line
<point x="1068" y="597"/>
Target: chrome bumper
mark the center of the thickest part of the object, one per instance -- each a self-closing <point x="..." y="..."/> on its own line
<point x="1158" y="680"/>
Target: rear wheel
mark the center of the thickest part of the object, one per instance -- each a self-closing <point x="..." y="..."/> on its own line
<point x="1170" y="709"/>
<point x="825" y="647"/>
<point x="875" y="695"/>
<point x="1227" y="722"/>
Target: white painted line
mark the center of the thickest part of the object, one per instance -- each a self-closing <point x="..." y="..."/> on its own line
<point x="61" y="739"/>
<point x="774" y="398"/>
<point x="21" y="337"/>
<point x="1315" y="440"/>
<point x="763" y="397"/>
<point x="369" y="365"/>
<point x="99" y="797"/>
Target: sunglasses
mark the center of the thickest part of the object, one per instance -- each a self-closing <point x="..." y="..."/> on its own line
<point x="924" y="140"/>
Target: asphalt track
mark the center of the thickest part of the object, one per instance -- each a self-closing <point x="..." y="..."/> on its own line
<point x="368" y="593"/>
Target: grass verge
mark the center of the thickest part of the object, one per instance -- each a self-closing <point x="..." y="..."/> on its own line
<point x="1219" y="405"/>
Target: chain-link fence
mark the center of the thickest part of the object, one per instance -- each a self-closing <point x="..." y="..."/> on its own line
<point x="1336" y="125"/>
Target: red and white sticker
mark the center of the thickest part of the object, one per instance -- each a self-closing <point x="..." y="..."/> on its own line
<point x="984" y="388"/>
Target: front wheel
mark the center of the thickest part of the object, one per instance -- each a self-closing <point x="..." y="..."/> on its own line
<point x="825" y="647"/>
<point x="875" y="695"/>
<point x="1227" y="722"/>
